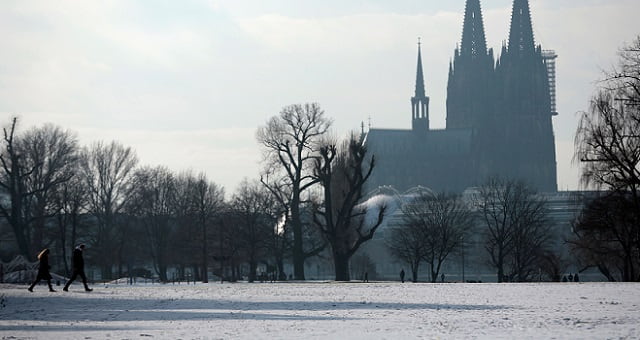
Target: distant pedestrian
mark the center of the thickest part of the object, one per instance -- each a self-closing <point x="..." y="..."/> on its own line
<point x="366" y="277"/>
<point x="43" y="270"/>
<point x="570" y="278"/>
<point x="402" y="275"/>
<point x="576" y="278"/>
<point x="442" y="277"/>
<point x="78" y="269"/>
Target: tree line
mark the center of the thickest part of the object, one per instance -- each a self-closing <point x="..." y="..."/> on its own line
<point x="505" y="217"/>
<point x="310" y="200"/>
<point x="56" y="194"/>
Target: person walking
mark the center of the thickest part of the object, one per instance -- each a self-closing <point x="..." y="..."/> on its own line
<point x="402" y="275"/>
<point x="43" y="270"/>
<point x="78" y="269"/>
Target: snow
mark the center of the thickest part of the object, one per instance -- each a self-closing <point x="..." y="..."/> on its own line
<point x="324" y="310"/>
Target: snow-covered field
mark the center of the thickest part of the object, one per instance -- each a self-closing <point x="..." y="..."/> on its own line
<point x="324" y="310"/>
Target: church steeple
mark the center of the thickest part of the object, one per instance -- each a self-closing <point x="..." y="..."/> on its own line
<point x="474" y="42"/>
<point x="420" y="91"/>
<point x="420" y="101"/>
<point x="521" y="31"/>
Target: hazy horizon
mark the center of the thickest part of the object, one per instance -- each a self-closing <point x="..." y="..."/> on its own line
<point x="186" y="84"/>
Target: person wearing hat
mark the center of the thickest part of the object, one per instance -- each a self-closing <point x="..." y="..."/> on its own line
<point x="78" y="269"/>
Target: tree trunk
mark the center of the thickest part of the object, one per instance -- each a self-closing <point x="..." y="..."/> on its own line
<point x="341" y="265"/>
<point x="19" y="229"/>
<point x="106" y="272"/>
<point x="500" y="267"/>
<point x="38" y="232"/>
<point x="298" y="250"/>
<point x="282" y="276"/>
<point x="252" y="270"/>
<point x="205" y="276"/>
<point x="162" y="272"/>
<point x="63" y="242"/>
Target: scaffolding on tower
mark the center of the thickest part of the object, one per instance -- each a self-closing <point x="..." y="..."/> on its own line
<point x="549" y="57"/>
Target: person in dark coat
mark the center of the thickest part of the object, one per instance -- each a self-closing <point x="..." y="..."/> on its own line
<point x="43" y="270"/>
<point x="78" y="269"/>
<point x="402" y="275"/>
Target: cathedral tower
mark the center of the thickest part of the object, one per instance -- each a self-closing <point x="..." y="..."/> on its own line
<point x="524" y="106"/>
<point x="420" y="101"/>
<point x="469" y="95"/>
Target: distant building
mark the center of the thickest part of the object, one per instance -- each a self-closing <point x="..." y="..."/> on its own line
<point x="472" y="261"/>
<point x="499" y="117"/>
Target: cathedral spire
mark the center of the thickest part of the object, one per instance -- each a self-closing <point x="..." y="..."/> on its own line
<point x="420" y="101"/>
<point x="521" y="31"/>
<point x="474" y="42"/>
<point x="420" y="91"/>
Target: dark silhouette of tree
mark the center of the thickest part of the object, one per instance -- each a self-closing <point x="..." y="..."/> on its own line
<point x="52" y="153"/>
<point x="607" y="146"/>
<point x="344" y="219"/>
<point x="187" y="244"/>
<point x="516" y="227"/>
<point x="553" y="265"/>
<point x="280" y="243"/>
<point x="151" y="203"/>
<point x="290" y="141"/>
<point x="255" y="208"/>
<point x="605" y="233"/>
<point x="207" y="199"/>
<point x="33" y="165"/>
<point x="227" y="243"/>
<point x="441" y="221"/>
<point x="107" y="170"/>
<point x="70" y="202"/>
<point x="407" y="244"/>
<point x="14" y="176"/>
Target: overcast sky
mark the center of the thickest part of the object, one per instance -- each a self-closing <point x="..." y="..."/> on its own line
<point x="186" y="83"/>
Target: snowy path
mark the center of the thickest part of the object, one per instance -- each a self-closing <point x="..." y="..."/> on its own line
<point x="324" y="311"/>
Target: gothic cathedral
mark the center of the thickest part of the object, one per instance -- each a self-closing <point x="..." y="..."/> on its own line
<point x="499" y="117"/>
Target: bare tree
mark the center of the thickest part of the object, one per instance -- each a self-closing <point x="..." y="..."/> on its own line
<point x="553" y="265"/>
<point x="407" y="244"/>
<point x="605" y="235"/>
<point x="107" y="170"/>
<point x="207" y="199"/>
<point x="290" y="141"/>
<point x="516" y="230"/>
<point x="33" y="165"/>
<point x="70" y="201"/>
<point x="255" y="208"/>
<point x="151" y="198"/>
<point x="14" y="176"/>
<point x="531" y="237"/>
<point x="442" y="222"/>
<point x="344" y="219"/>
<point x="228" y="244"/>
<point x="52" y="153"/>
<point x="279" y="244"/>
<point x="607" y="140"/>
<point x="187" y="243"/>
